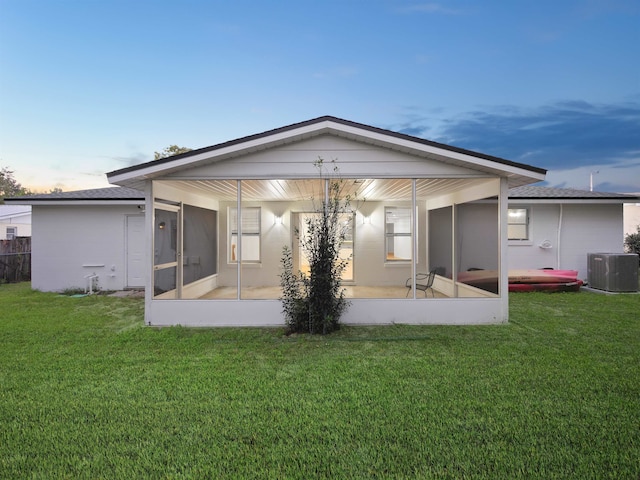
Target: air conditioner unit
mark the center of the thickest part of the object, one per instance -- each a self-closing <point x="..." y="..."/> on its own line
<point x="613" y="272"/>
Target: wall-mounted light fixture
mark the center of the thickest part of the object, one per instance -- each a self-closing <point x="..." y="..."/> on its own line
<point x="277" y="220"/>
<point x="366" y="220"/>
<point x="161" y="225"/>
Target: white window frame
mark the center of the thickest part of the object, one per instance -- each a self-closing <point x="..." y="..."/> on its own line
<point x="395" y="235"/>
<point x="251" y="230"/>
<point x="511" y="221"/>
<point x="12" y="233"/>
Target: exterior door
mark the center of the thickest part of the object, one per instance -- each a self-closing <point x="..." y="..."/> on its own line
<point x="135" y="251"/>
<point x="346" y="251"/>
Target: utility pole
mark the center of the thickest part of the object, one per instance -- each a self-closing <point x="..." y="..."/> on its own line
<point x="591" y="180"/>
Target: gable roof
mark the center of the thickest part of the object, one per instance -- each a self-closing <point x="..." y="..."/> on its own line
<point x="95" y="196"/>
<point x="518" y="173"/>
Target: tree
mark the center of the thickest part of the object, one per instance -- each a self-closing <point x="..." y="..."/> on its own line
<point x="170" y="151"/>
<point x="9" y="186"/>
<point x="632" y="242"/>
<point x="314" y="303"/>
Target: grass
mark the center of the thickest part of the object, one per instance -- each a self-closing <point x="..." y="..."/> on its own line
<point x="86" y="391"/>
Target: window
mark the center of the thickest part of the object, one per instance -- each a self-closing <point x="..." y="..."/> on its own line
<point x="250" y="234"/>
<point x="398" y="244"/>
<point x="518" y="224"/>
<point x="11" y="232"/>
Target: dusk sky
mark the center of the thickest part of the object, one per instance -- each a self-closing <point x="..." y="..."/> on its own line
<point x="87" y="86"/>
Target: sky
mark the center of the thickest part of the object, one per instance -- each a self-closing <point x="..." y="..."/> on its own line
<point x="92" y="86"/>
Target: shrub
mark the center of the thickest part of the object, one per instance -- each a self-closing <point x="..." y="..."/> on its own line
<point x="314" y="303"/>
<point x="632" y="242"/>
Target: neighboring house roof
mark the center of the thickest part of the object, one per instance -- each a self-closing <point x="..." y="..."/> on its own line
<point x="10" y="212"/>
<point x="518" y="173"/>
<point x="96" y="196"/>
<point x="567" y="195"/>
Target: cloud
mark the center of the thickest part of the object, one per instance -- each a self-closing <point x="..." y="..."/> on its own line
<point x="574" y="133"/>
<point x="570" y="138"/>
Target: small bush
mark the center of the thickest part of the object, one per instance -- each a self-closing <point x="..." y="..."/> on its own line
<point x="295" y="295"/>
<point x="632" y="242"/>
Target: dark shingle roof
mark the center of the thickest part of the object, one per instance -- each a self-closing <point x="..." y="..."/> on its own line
<point x="109" y="193"/>
<point x="534" y="192"/>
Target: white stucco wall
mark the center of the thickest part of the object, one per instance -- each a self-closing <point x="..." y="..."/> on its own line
<point x="585" y="228"/>
<point x="70" y="242"/>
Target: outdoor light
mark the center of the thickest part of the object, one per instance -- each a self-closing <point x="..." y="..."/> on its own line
<point x="277" y="219"/>
<point x="366" y="219"/>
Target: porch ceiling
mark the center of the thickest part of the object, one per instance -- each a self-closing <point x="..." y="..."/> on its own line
<point x="301" y="190"/>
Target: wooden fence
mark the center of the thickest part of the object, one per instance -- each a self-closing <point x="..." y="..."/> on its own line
<point x="15" y="260"/>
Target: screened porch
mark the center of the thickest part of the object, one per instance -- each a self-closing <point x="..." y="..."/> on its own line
<point x="221" y="240"/>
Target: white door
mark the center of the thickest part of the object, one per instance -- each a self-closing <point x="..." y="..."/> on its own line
<point x="135" y="251"/>
<point x="301" y="263"/>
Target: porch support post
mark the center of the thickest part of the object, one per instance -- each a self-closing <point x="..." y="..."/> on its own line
<point x="454" y="249"/>
<point x="149" y="220"/>
<point x="180" y="251"/>
<point x="414" y="236"/>
<point x="239" y="257"/>
<point x="503" y="263"/>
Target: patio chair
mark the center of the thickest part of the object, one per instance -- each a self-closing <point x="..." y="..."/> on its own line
<point x="424" y="282"/>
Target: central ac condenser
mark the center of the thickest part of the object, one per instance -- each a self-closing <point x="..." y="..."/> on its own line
<point x="613" y="272"/>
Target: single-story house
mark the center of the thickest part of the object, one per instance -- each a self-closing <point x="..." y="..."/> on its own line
<point x="15" y="221"/>
<point x="423" y="206"/>
<point x="218" y="219"/>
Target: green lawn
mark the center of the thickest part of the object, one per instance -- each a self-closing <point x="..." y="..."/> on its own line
<point x="86" y="391"/>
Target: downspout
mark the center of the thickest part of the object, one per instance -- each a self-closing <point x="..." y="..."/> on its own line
<point x="558" y="239"/>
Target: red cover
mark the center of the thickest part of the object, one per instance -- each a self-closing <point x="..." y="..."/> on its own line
<point x="519" y="276"/>
<point x="546" y="287"/>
